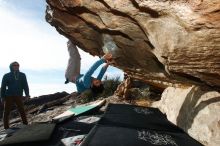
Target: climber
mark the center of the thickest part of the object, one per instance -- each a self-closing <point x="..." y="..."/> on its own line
<point x="85" y="81"/>
<point x="13" y="84"/>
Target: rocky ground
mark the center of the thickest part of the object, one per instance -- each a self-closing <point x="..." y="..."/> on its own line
<point x="190" y="108"/>
<point x="44" y="108"/>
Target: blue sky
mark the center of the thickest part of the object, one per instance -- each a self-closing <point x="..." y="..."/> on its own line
<point x="26" y="37"/>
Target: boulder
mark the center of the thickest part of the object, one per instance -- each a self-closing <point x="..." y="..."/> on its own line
<point x="163" y="42"/>
<point x="168" y="44"/>
<point x="195" y="110"/>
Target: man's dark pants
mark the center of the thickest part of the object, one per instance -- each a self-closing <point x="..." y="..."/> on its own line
<point x="9" y="102"/>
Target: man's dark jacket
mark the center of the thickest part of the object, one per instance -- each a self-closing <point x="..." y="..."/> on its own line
<point x="13" y="84"/>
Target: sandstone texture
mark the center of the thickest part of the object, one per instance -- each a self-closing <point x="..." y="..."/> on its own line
<point x="194" y="110"/>
<point x="163" y="42"/>
<point x="169" y="44"/>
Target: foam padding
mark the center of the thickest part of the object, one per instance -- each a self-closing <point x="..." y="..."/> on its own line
<point x="130" y="125"/>
<point x="138" y="117"/>
<point x="30" y="133"/>
<point x="103" y="135"/>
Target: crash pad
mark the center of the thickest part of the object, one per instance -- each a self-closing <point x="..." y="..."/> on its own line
<point x="78" y="110"/>
<point x="104" y="135"/>
<point x="138" y="117"/>
<point x="73" y="141"/>
<point x="30" y="133"/>
<point x="131" y="125"/>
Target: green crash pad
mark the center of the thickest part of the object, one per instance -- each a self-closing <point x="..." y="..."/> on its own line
<point x="78" y="110"/>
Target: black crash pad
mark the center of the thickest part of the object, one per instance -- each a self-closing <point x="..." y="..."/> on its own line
<point x="30" y="133"/>
<point x="103" y="135"/>
<point x="138" y="117"/>
<point x="130" y="125"/>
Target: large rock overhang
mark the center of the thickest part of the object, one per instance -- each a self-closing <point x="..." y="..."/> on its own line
<point x="162" y="42"/>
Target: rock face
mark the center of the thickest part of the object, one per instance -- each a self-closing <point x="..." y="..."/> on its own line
<point x="163" y="42"/>
<point x="194" y="110"/>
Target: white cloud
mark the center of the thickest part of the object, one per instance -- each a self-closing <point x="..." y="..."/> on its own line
<point x="32" y="45"/>
<point x="37" y="46"/>
<point x="45" y="89"/>
<point x="24" y="41"/>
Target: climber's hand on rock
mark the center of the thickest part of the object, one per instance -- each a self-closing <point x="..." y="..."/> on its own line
<point x="108" y="57"/>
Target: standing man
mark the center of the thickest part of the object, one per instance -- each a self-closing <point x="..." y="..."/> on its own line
<point x="13" y="84"/>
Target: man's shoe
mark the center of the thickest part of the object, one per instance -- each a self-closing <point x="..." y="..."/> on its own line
<point x="67" y="81"/>
<point x="9" y="131"/>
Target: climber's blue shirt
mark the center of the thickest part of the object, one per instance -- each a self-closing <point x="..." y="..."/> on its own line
<point x="83" y="82"/>
<point x="13" y="84"/>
